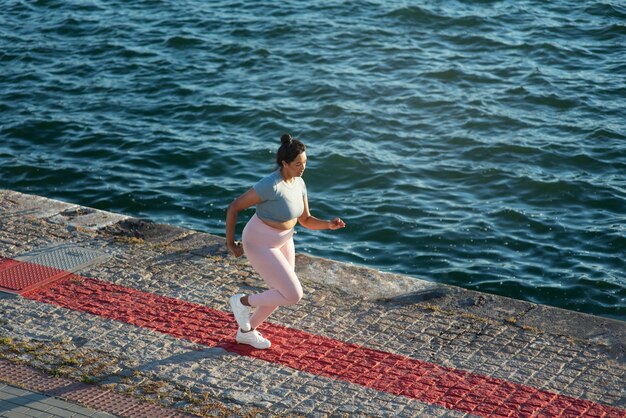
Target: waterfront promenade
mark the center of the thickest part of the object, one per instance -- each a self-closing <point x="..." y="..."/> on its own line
<point x="119" y="316"/>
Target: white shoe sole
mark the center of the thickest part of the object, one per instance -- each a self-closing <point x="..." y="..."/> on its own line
<point x="269" y="344"/>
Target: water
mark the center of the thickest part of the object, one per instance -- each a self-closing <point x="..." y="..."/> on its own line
<point x="480" y="144"/>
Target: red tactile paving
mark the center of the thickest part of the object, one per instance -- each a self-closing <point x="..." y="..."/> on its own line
<point x="78" y="392"/>
<point x="18" y="277"/>
<point x="81" y="393"/>
<point x="36" y="381"/>
<point x="7" y="262"/>
<point x="399" y="375"/>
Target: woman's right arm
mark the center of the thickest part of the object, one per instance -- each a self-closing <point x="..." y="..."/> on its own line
<point x="249" y="198"/>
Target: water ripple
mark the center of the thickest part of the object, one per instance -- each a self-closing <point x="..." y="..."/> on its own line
<point x="479" y="144"/>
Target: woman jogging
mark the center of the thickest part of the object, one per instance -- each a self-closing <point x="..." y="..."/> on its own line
<point x="281" y="202"/>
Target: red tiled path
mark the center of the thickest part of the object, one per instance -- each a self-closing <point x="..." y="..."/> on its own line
<point x="396" y="374"/>
<point x="19" y="277"/>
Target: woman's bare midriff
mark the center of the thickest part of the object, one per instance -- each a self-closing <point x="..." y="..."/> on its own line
<point x="283" y="226"/>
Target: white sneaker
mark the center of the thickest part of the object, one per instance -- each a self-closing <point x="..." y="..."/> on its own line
<point x="253" y="338"/>
<point x="241" y="311"/>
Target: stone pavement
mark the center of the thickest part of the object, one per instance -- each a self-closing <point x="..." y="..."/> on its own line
<point x="140" y="309"/>
<point x="41" y="395"/>
<point x="16" y="402"/>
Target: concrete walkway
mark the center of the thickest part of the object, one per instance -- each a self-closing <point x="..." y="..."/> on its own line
<point x="16" y="402"/>
<point x="140" y="309"/>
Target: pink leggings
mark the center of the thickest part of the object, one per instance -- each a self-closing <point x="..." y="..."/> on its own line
<point x="272" y="254"/>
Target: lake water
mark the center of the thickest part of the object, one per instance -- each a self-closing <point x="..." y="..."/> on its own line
<point x="475" y="143"/>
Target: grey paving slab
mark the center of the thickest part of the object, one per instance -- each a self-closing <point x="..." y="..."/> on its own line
<point x="14" y="414"/>
<point x="65" y="257"/>
<point x="59" y="407"/>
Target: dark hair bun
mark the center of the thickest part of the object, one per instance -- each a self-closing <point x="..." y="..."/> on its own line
<point x="289" y="149"/>
<point x="285" y="139"/>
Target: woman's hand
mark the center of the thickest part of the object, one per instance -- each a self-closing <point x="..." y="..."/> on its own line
<point x="249" y="198"/>
<point x="336" y="223"/>
<point x="235" y="248"/>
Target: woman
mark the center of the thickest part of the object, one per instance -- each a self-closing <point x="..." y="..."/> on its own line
<point x="281" y="202"/>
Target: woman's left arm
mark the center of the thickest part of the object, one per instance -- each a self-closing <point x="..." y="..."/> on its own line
<point x="311" y="222"/>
